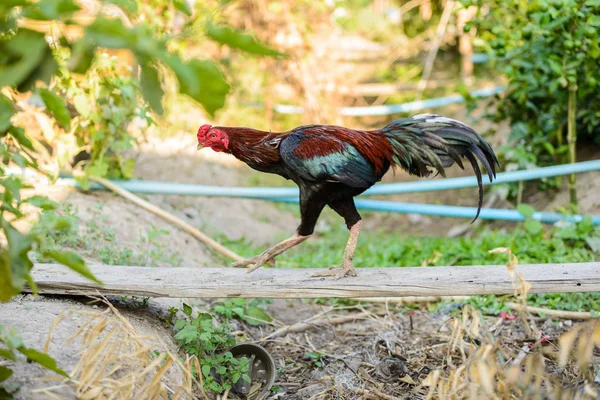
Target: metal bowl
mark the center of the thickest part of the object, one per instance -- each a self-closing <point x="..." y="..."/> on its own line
<point x="262" y="371"/>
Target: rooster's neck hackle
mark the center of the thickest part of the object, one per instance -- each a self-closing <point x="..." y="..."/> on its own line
<point x="251" y="146"/>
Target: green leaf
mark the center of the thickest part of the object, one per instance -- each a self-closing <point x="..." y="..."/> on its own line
<point x="188" y="334"/>
<point x="206" y="370"/>
<point x="179" y="324"/>
<point x="57" y="107"/>
<point x="187" y="309"/>
<point x="43" y="359"/>
<point x="42" y="202"/>
<point x="127" y="5"/>
<point x="8" y="354"/>
<point x="27" y="58"/>
<point x="533" y="226"/>
<point x="526" y="210"/>
<point x="5" y="373"/>
<point x="594" y="20"/>
<point x="48" y="10"/>
<point x="183" y="6"/>
<point x="72" y="261"/>
<point x="238" y="40"/>
<point x="594" y="243"/>
<point x="82" y="105"/>
<point x="256" y="315"/>
<point x="19" y="135"/>
<point x="15" y="261"/>
<point x="221" y="370"/>
<point x="202" y="80"/>
<point x="151" y="87"/>
<point x="82" y="56"/>
<point x="110" y="33"/>
<point x="7" y="110"/>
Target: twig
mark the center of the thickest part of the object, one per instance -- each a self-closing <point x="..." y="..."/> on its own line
<point x="207" y="240"/>
<point x="303" y="326"/>
<point x="411" y="299"/>
<point x="374" y="393"/>
<point x="441" y="29"/>
<point x="553" y="313"/>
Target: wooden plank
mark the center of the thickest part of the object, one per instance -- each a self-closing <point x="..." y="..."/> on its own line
<point x="297" y="283"/>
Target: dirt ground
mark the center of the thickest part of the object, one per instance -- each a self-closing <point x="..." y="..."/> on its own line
<point x="352" y="353"/>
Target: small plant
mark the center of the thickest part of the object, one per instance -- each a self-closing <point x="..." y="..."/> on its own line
<point x="210" y="342"/>
<point x="315" y="359"/>
<point x="250" y="312"/>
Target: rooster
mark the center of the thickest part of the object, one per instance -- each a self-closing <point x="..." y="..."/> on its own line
<point x="332" y="164"/>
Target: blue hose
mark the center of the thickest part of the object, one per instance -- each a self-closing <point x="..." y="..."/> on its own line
<point x="457" y="212"/>
<point x="290" y="195"/>
<point x="396" y="108"/>
<point x="153" y="187"/>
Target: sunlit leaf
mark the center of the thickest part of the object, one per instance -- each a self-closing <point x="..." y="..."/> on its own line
<point x="72" y="261"/>
<point x="534" y="227"/>
<point x="57" y="107"/>
<point x="19" y="134"/>
<point x="202" y="80"/>
<point x="183" y="6"/>
<point x="43" y="359"/>
<point x="239" y="40"/>
<point x="256" y="316"/>
<point x="127" y="5"/>
<point x="42" y="202"/>
<point x="526" y="210"/>
<point x="6" y="112"/>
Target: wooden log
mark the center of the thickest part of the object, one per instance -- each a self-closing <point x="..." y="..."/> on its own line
<point x="298" y="283"/>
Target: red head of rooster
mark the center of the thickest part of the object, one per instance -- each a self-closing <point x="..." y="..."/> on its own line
<point x="213" y="138"/>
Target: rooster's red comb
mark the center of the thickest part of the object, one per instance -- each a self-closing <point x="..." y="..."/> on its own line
<point x="202" y="131"/>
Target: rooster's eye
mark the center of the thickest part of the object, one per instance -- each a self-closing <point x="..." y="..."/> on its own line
<point x="213" y="136"/>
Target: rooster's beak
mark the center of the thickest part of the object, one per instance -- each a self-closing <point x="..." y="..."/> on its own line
<point x="200" y="146"/>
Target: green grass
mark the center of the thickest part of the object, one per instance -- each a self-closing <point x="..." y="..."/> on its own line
<point x="382" y="249"/>
<point x="97" y="240"/>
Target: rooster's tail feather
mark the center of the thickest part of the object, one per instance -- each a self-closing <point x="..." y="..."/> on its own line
<point x="430" y="140"/>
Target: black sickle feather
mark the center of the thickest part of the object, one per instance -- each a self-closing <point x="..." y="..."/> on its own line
<point x="469" y="156"/>
<point x="438" y="142"/>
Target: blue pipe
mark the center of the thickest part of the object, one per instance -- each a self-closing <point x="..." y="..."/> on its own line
<point x="456" y="211"/>
<point x="396" y="108"/>
<point x="153" y="187"/>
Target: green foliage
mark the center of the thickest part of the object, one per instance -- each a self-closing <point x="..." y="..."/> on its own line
<point x="238" y="40"/>
<point x="532" y="243"/>
<point x="251" y="311"/>
<point x="315" y="359"/>
<point x="203" y="337"/>
<point x="91" y="100"/>
<point x="544" y="48"/>
<point x="108" y="100"/>
<point x="383" y="249"/>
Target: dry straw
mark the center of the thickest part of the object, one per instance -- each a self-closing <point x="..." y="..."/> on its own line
<point x="117" y="362"/>
<point x="482" y="367"/>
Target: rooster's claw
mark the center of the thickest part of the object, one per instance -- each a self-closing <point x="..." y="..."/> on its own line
<point x="253" y="263"/>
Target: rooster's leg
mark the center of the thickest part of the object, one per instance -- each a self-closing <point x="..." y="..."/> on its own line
<point x="258" y="261"/>
<point x="345" y="268"/>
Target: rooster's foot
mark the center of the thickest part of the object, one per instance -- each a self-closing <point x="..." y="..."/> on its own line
<point x="345" y="269"/>
<point x="254" y="263"/>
